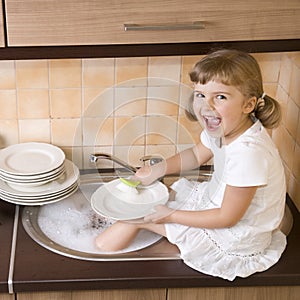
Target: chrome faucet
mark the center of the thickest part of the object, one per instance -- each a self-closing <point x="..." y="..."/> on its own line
<point x="94" y="158"/>
<point x="152" y="160"/>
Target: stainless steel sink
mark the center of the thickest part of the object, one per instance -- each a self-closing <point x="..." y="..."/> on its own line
<point x="152" y="248"/>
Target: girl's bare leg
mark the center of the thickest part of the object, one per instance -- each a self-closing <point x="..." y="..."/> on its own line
<point x="121" y="234"/>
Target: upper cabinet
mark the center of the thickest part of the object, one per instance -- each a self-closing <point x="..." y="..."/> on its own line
<point x="95" y="22"/>
<point x="2" y="43"/>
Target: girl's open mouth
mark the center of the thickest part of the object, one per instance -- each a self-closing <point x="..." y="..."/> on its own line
<point x="212" y="122"/>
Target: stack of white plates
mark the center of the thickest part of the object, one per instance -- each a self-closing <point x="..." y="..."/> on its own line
<point x="36" y="174"/>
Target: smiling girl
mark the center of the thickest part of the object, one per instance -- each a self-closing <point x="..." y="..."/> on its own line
<point x="229" y="226"/>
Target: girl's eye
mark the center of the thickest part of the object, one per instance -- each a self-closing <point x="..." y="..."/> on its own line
<point x="221" y="97"/>
<point x="199" y="96"/>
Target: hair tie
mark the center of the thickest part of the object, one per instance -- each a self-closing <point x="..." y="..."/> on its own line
<point x="260" y="102"/>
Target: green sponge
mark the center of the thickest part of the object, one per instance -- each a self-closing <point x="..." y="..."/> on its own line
<point x="130" y="183"/>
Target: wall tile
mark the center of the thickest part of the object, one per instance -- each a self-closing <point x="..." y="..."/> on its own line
<point x="7" y="74"/>
<point x="295" y="57"/>
<point x="294" y="190"/>
<point x="98" y="131"/>
<point x="101" y="163"/>
<point x="186" y="92"/>
<point x="130" y="101"/>
<point x="188" y="131"/>
<point x="66" y="132"/>
<point x="9" y="133"/>
<point x="8" y="104"/>
<point x="270" y="66"/>
<point x="161" y="130"/>
<point x="163" y="151"/>
<point x="65" y="73"/>
<point x="298" y="131"/>
<point x="98" y="102"/>
<point x="167" y="68"/>
<point x="296" y="162"/>
<point x="285" y="144"/>
<point x="33" y="103"/>
<point x="131" y="71"/>
<point x="292" y="117"/>
<point x="285" y="72"/>
<point x="34" y="130"/>
<point x="130" y="154"/>
<point x="294" y="90"/>
<point x="65" y="103"/>
<point x="74" y="154"/>
<point x="163" y="100"/>
<point x="188" y="63"/>
<point x="98" y="72"/>
<point x="282" y="98"/>
<point x="32" y="74"/>
<point x="129" y="131"/>
<point x="270" y="89"/>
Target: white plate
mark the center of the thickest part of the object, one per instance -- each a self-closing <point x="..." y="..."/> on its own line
<point x="70" y="176"/>
<point x="30" y="158"/>
<point x="15" y="183"/>
<point x="39" y="198"/>
<point x="156" y="192"/>
<point x="106" y="204"/>
<point x="42" y="201"/>
<point x="32" y="178"/>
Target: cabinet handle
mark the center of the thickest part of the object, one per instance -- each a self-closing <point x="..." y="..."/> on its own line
<point x="183" y="26"/>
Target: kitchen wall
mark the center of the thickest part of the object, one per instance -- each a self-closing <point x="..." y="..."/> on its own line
<point x="130" y="107"/>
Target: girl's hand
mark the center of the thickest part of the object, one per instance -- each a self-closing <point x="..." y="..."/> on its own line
<point x="161" y="215"/>
<point x="148" y="174"/>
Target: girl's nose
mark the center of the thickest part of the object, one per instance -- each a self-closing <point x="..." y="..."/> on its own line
<point x="210" y="103"/>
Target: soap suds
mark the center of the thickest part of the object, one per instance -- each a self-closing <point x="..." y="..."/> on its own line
<point x="73" y="224"/>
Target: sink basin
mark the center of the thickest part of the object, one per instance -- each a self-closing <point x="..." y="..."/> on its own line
<point x="69" y="227"/>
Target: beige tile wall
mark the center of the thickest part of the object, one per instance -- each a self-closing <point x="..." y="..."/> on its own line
<point x="129" y="107"/>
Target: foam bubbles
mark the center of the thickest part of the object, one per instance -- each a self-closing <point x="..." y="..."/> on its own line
<point x="73" y="224"/>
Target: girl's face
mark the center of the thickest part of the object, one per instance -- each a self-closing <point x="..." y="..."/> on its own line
<point x="223" y="109"/>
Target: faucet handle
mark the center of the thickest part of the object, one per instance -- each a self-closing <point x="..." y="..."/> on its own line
<point x="152" y="159"/>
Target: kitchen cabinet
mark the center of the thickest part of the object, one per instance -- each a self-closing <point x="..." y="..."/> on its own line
<point x="213" y="293"/>
<point x="2" y="43"/>
<point x="148" y="294"/>
<point x="93" y="22"/>
<point x="6" y="297"/>
<point x="235" y="293"/>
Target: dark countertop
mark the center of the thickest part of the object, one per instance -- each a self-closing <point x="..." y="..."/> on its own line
<point x="7" y="212"/>
<point x="38" y="269"/>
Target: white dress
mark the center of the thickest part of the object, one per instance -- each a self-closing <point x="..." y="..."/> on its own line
<point x="255" y="243"/>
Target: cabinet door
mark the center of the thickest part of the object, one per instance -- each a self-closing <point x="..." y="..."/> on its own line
<point x="78" y="22"/>
<point x="2" y="43"/>
<point x="149" y="294"/>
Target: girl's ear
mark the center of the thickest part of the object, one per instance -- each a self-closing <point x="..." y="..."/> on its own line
<point x="249" y="105"/>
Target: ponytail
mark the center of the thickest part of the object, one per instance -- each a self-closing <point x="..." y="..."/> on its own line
<point x="268" y="111"/>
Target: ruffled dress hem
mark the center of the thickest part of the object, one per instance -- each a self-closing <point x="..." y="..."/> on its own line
<point x="200" y="251"/>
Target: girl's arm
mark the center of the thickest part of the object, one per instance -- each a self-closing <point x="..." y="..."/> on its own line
<point x="235" y="203"/>
<point x="186" y="160"/>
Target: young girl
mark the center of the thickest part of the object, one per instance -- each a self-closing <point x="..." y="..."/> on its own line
<point x="226" y="227"/>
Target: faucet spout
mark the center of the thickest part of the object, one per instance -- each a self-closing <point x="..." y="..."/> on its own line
<point x="94" y="158"/>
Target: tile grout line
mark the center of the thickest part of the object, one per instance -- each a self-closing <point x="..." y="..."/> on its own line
<point x="13" y="252"/>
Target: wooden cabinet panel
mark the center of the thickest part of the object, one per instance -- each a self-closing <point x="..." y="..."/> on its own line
<point x="7" y="297"/>
<point x="77" y="22"/>
<point x="2" y="42"/>
<point x="236" y="293"/>
<point x="147" y="294"/>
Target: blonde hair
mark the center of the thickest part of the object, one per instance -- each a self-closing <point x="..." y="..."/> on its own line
<point x="239" y="69"/>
